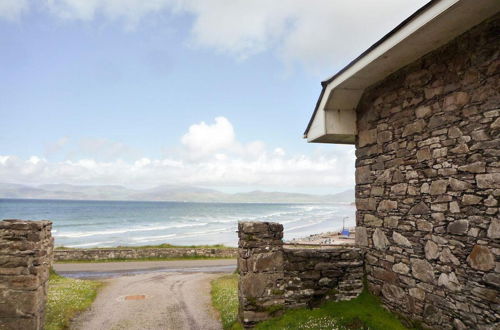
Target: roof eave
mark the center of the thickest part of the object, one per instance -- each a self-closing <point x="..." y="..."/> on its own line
<point x="411" y="27"/>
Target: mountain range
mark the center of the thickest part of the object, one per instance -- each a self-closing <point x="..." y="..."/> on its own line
<point x="162" y="193"/>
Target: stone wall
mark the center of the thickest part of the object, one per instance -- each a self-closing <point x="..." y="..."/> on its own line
<point x="274" y="278"/>
<point x="123" y="253"/>
<point x="428" y="184"/>
<point x="25" y="259"/>
<point x="314" y="275"/>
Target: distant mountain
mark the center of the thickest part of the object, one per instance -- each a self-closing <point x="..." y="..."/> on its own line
<point x="180" y="193"/>
<point x="162" y="193"/>
<point x="258" y="196"/>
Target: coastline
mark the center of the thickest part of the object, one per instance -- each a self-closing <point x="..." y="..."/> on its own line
<point x="164" y="252"/>
<point x="85" y="224"/>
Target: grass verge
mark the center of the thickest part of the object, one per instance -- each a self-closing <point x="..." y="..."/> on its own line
<point x="66" y="298"/>
<point x="158" y="246"/>
<point x="141" y="259"/>
<point x="363" y="312"/>
<point x="225" y="300"/>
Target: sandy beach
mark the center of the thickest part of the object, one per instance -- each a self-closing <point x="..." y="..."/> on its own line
<point x="326" y="238"/>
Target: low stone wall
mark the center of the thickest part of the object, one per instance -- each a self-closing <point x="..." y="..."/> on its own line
<point x="274" y="278"/>
<point x="120" y="253"/>
<point x="315" y="275"/>
<point x="25" y="260"/>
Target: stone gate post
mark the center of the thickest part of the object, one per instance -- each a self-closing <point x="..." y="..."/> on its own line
<point x="25" y="260"/>
<point x="260" y="262"/>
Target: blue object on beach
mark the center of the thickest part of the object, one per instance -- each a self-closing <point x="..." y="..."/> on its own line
<point x="345" y="232"/>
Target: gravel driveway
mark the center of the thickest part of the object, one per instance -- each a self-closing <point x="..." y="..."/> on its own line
<point x="173" y="301"/>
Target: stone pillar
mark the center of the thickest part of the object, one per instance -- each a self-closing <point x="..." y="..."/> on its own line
<point x="261" y="265"/>
<point x="25" y="260"/>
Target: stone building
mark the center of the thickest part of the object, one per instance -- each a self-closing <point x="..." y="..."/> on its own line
<point x="422" y="107"/>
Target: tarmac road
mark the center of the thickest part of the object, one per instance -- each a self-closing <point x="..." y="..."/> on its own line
<point x="113" y="269"/>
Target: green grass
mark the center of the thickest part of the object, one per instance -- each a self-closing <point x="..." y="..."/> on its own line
<point x="159" y="246"/>
<point x="141" y="259"/>
<point x="66" y="298"/>
<point x="225" y="300"/>
<point x="364" y="312"/>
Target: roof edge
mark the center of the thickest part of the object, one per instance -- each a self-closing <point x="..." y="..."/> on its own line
<point x="325" y="83"/>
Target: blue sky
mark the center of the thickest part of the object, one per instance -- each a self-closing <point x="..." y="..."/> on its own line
<point x="208" y="93"/>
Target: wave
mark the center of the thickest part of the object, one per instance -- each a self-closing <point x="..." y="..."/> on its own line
<point x="193" y="225"/>
<point x="303" y="226"/>
<point x="145" y="239"/>
<point x="90" y="244"/>
<point x="123" y="231"/>
<point x="151" y="238"/>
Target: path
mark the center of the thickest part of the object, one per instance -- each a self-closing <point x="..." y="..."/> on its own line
<point x="110" y="269"/>
<point x="166" y="301"/>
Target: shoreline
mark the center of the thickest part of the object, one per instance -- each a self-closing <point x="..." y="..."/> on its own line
<point x="109" y="225"/>
<point x="168" y="252"/>
<point x="325" y="238"/>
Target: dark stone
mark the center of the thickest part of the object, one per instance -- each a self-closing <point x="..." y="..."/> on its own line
<point x="385" y="275"/>
<point x="420" y="208"/>
<point x="492" y="279"/>
<point x="458" y="227"/>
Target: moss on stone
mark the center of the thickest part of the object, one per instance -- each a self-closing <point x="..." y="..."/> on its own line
<point x="274" y="309"/>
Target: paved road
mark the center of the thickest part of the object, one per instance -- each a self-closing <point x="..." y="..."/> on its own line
<point x="166" y="301"/>
<point x="113" y="269"/>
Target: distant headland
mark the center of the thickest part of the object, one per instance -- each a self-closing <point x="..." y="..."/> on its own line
<point x="171" y="193"/>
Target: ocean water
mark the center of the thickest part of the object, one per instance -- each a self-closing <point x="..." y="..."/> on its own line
<point x="113" y="223"/>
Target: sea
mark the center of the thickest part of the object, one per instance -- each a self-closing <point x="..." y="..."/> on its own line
<point x="88" y="224"/>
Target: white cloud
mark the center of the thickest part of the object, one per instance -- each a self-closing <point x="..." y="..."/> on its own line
<point x="217" y="140"/>
<point x="131" y="11"/>
<point x="240" y="27"/>
<point x="202" y="139"/>
<point x="279" y="152"/>
<point x="226" y="162"/>
<point x="322" y="34"/>
<point x="267" y="171"/>
<point x="11" y="10"/>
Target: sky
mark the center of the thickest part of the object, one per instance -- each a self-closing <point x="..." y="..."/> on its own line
<point x="209" y="93"/>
